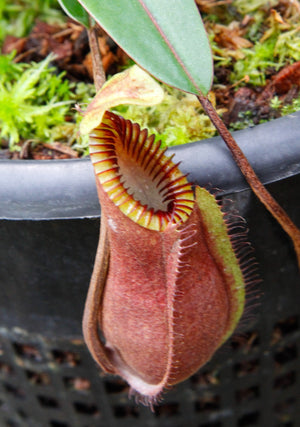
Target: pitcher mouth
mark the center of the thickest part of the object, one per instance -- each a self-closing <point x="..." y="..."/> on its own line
<point x="137" y="176"/>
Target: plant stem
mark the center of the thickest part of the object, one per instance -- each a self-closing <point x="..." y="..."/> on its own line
<point x="93" y="302"/>
<point x="99" y="74"/>
<point x="258" y="188"/>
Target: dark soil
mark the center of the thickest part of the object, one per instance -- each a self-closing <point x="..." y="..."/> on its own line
<point x="285" y="84"/>
<point x="70" y="45"/>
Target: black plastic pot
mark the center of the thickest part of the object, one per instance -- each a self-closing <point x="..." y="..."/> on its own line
<point x="48" y="239"/>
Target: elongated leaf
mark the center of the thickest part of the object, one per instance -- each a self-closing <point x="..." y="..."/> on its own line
<point x="75" y="11"/>
<point x="165" y="37"/>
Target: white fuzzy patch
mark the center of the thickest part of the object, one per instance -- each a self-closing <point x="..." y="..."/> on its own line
<point x="149" y="391"/>
<point x="112" y="224"/>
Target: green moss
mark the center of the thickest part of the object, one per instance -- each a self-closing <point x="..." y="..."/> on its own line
<point x="35" y="101"/>
<point x="276" y="41"/>
<point x="287" y="46"/>
<point x="249" y="6"/>
<point x="294" y="106"/>
<point x="277" y="50"/>
<point x="255" y="63"/>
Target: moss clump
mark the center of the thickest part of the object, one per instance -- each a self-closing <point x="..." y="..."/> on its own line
<point x="37" y="103"/>
<point x="250" y="6"/>
<point x="275" y="49"/>
<point x="294" y="106"/>
<point x="254" y="63"/>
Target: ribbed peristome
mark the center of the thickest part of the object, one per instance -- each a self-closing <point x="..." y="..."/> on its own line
<point x="137" y="175"/>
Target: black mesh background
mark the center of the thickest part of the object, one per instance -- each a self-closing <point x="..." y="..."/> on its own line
<point x="254" y="381"/>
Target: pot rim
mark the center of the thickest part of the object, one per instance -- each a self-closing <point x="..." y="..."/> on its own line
<point x="33" y="191"/>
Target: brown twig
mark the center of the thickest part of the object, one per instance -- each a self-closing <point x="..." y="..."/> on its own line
<point x="98" y="71"/>
<point x="61" y="148"/>
<point x="261" y="192"/>
<point x="24" y="153"/>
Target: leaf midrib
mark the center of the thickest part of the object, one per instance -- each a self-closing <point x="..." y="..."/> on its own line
<point x="169" y="44"/>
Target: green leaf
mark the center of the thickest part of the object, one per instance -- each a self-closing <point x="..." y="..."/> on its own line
<point x="75" y="11"/>
<point x="165" y="37"/>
